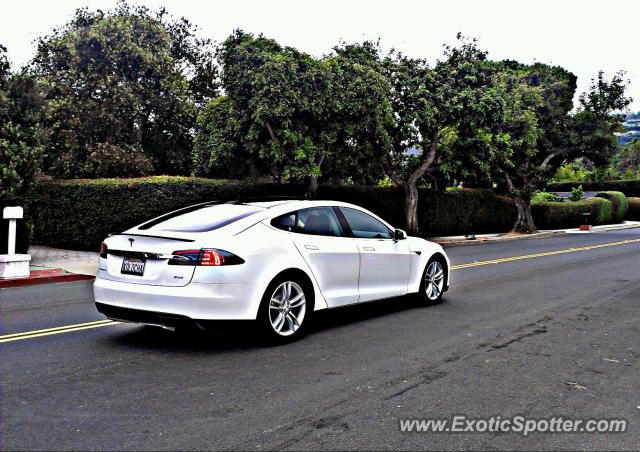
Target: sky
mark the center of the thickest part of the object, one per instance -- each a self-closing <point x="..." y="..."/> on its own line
<point x="582" y="36"/>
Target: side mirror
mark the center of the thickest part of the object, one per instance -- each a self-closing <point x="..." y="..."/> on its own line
<point x="399" y="234"/>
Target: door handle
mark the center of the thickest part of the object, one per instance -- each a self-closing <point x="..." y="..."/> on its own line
<point x="311" y="247"/>
<point x="368" y="248"/>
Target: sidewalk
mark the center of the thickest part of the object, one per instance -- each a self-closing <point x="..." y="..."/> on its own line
<point x="464" y="239"/>
<point x="78" y="262"/>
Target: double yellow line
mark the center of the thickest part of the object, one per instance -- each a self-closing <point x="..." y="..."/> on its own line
<point x="548" y="253"/>
<point x="103" y="323"/>
<point x="56" y="330"/>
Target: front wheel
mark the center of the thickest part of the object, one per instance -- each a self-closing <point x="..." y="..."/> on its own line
<point x="285" y="308"/>
<point x="432" y="285"/>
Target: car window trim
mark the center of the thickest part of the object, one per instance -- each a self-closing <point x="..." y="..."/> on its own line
<point x="371" y="216"/>
<point x="343" y="222"/>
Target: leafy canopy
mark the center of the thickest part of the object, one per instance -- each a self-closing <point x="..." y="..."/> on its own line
<point x="123" y="88"/>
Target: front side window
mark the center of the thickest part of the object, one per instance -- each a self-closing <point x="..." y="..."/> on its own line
<point x="319" y="221"/>
<point x="364" y="226"/>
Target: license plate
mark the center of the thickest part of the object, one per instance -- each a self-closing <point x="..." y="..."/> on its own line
<point x="132" y="266"/>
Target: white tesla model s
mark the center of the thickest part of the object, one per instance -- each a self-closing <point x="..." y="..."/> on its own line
<point x="276" y="262"/>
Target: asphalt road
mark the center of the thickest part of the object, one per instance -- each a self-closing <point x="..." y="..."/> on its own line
<point x="552" y="335"/>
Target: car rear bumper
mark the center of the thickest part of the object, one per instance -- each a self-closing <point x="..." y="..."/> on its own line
<point x="193" y="301"/>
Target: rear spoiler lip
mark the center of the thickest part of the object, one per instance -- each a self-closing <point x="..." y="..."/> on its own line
<point x="177" y="239"/>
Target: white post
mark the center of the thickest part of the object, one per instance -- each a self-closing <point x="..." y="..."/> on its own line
<point x="11" y="248"/>
<point x="13" y="265"/>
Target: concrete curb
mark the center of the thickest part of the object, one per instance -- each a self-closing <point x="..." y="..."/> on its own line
<point x="48" y="276"/>
<point x="461" y="242"/>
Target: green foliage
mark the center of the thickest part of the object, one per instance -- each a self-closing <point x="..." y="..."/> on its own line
<point x="20" y="150"/>
<point x="560" y="215"/>
<point x="78" y="214"/>
<point x="123" y="88"/>
<point x="634" y="209"/>
<point x="543" y="196"/>
<point x="571" y="172"/>
<point x="619" y="202"/>
<point x="288" y="114"/>
<point x="577" y="193"/>
<point x="628" y="187"/>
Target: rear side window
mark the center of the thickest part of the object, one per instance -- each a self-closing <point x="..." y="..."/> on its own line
<point x="207" y="218"/>
<point x="285" y="222"/>
<point x="364" y="226"/>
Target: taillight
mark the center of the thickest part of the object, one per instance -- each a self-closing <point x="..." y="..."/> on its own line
<point x="103" y="250"/>
<point x="205" y="257"/>
<point x="211" y="258"/>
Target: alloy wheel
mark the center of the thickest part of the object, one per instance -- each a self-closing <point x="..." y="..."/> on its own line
<point x="434" y="280"/>
<point x="287" y="308"/>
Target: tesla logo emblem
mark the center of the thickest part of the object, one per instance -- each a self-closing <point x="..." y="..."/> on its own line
<point x="131" y="242"/>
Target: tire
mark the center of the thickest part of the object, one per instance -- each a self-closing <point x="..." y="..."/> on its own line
<point x="433" y="281"/>
<point x="285" y="309"/>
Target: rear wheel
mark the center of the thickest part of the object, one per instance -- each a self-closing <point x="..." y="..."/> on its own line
<point x="285" y="309"/>
<point x="433" y="281"/>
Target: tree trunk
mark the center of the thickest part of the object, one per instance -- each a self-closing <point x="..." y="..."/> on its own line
<point x="524" y="222"/>
<point x="411" y="208"/>
<point x="310" y="186"/>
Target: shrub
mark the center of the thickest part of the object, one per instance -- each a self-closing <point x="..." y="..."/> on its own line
<point x="78" y="214"/>
<point x="634" y="209"/>
<point x="620" y="204"/>
<point x="543" y="196"/>
<point x="630" y="187"/>
<point x="577" y="194"/>
<point x="560" y="215"/>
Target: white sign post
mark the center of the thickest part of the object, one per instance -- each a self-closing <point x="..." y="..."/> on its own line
<point x="13" y="265"/>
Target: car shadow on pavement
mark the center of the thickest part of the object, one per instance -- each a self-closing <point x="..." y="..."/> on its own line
<point x="242" y="335"/>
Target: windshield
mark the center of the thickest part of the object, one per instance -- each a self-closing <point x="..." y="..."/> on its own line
<point x="201" y="218"/>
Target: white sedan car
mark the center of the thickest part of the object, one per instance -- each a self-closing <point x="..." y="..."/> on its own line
<point x="276" y="262"/>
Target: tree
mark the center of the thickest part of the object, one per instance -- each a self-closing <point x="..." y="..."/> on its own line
<point x="538" y="133"/>
<point x="123" y="89"/>
<point x="289" y="110"/>
<point x="433" y="109"/>
<point x="20" y="149"/>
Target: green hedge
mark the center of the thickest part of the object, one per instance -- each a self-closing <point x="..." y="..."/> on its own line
<point x="634" y="209"/>
<point x="620" y="204"/>
<point x="567" y="214"/>
<point x="78" y="214"/>
<point x="628" y="187"/>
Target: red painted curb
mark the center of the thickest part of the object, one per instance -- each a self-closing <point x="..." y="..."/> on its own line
<point x="51" y="276"/>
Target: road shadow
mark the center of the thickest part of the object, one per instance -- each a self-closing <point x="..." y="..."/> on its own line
<point x="225" y="337"/>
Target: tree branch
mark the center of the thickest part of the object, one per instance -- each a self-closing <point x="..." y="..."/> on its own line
<point x="270" y="129"/>
<point x="426" y="163"/>
<point x="386" y="165"/>
<point x="546" y="161"/>
<point x="510" y="185"/>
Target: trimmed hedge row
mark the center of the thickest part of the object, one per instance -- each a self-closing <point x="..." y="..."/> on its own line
<point x="560" y="215"/>
<point x="634" y="209"/>
<point x="78" y="214"/>
<point x="620" y="204"/>
<point x="628" y="187"/>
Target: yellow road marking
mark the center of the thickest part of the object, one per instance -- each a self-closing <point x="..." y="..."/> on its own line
<point x="536" y="255"/>
<point x="101" y="323"/>
<point x="56" y="330"/>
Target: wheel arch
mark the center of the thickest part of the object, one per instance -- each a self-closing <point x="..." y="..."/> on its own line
<point x="300" y="275"/>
